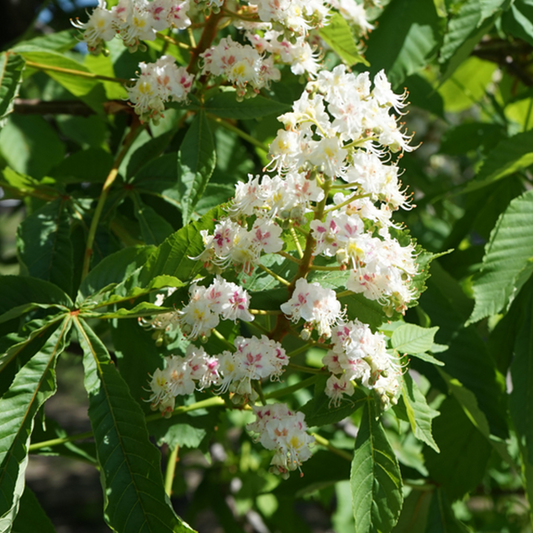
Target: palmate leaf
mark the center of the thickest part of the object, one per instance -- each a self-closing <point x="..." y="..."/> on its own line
<point x="45" y="249"/>
<point x="338" y="35"/>
<point x="406" y="40"/>
<point x="31" y="516"/>
<point x="22" y="293"/>
<point x="464" y="451"/>
<point x="375" y="478"/>
<point x="32" y="386"/>
<point x="413" y="339"/>
<point x="521" y="398"/>
<point x="11" y="67"/>
<point x="174" y="256"/>
<point x="467" y="358"/>
<point x="225" y="105"/>
<point x="419" y="413"/>
<point x="135" y="500"/>
<point x="509" y="156"/>
<point x="154" y="228"/>
<point x="196" y="162"/>
<point x="508" y="260"/>
<point x="91" y="91"/>
<point x="319" y="412"/>
<point x="465" y="29"/>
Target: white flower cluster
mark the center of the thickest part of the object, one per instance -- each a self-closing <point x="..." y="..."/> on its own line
<point x="360" y="355"/>
<point x="182" y="376"/>
<point x="133" y="21"/>
<point x="158" y="83"/>
<point x="300" y="54"/>
<point x="208" y="304"/>
<point x="296" y="16"/>
<point x="343" y="127"/>
<point x="316" y="305"/>
<point x="246" y="69"/>
<point x="284" y="431"/>
<point x="233" y="244"/>
<point x="255" y="359"/>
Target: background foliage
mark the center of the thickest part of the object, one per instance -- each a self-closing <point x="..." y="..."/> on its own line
<point x="461" y="437"/>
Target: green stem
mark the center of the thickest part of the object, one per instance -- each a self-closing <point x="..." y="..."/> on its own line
<point x="306" y="369"/>
<point x="59" y="441"/>
<point x="170" y="40"/>
<point x="73" y="72"/>
<point x="344" y="293"/>
<point x="355" y="196"/>
<point x="171" y="470"/>
<point x="264" y="312"/>
<point x="242" y="134"/>
<point x="297" y="242"/>
<point x="130" y="138"/>
<point x="325" y="442"/>
<point x="221" y="337"/>
<point x="326" y="268"/>
<point x="293" y="388"/>
<point x="288" y="256"/>
<point x="274" y="275"/>
<point x="259" y="389"/>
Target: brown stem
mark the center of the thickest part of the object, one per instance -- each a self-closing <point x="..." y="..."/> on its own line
<point x="209" y="33"/>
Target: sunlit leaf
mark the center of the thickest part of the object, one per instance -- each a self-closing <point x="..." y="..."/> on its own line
<point x="508" y="260"/>
<point x="33" y="385"/>
<point x="375" y="479"/>
<point x="11" y="67"/>
<point x="135" y="499"/>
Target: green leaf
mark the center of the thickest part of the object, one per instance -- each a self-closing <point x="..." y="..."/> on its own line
<point x="44" y="245"/>
<point x="196" y="162"/>
<point x="60" y="41"/>
<point x="145" y="153"/>
<point x="339" y="37"/>
<point x="31" y="516"/>
<point x="419" y="413"/>
<point x="414" y="512"/>
<point x="319" y="412"/>
<point x="467" y="358"/>
<point x="19" y="291"/>
<point x="30" y="145"/>
<point x="375" y="478"/>
<point x="464" y="451"/>
<point x="154" y="228"/>
<point x="113" y="269"/>
<point x="508" y="259"/>
<point x="521" y="397"/>
<point x="406" y="39"/>
<point x="33" y="385"/>
<point x="11" y="67"/>
<point x="509" y="156"/>
<point x="23" y="185"/>
<point x="441" y="518"/>
<point x="368" y="311"/>
<point x="91" y="165"/>
<point x="413" y="339"/>
<point x="173" y="257"/>
<point x="428" y="358"/>
<point x="517" y="20"/>
<point x="225" y="105"/>
<point x="135" y="499"/>
<point x="89" y="90"/>
<point x="465" y="29"/>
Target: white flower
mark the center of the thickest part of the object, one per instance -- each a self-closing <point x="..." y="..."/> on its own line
<point x="316" y="305"/>
<point x="284" y="431"/>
